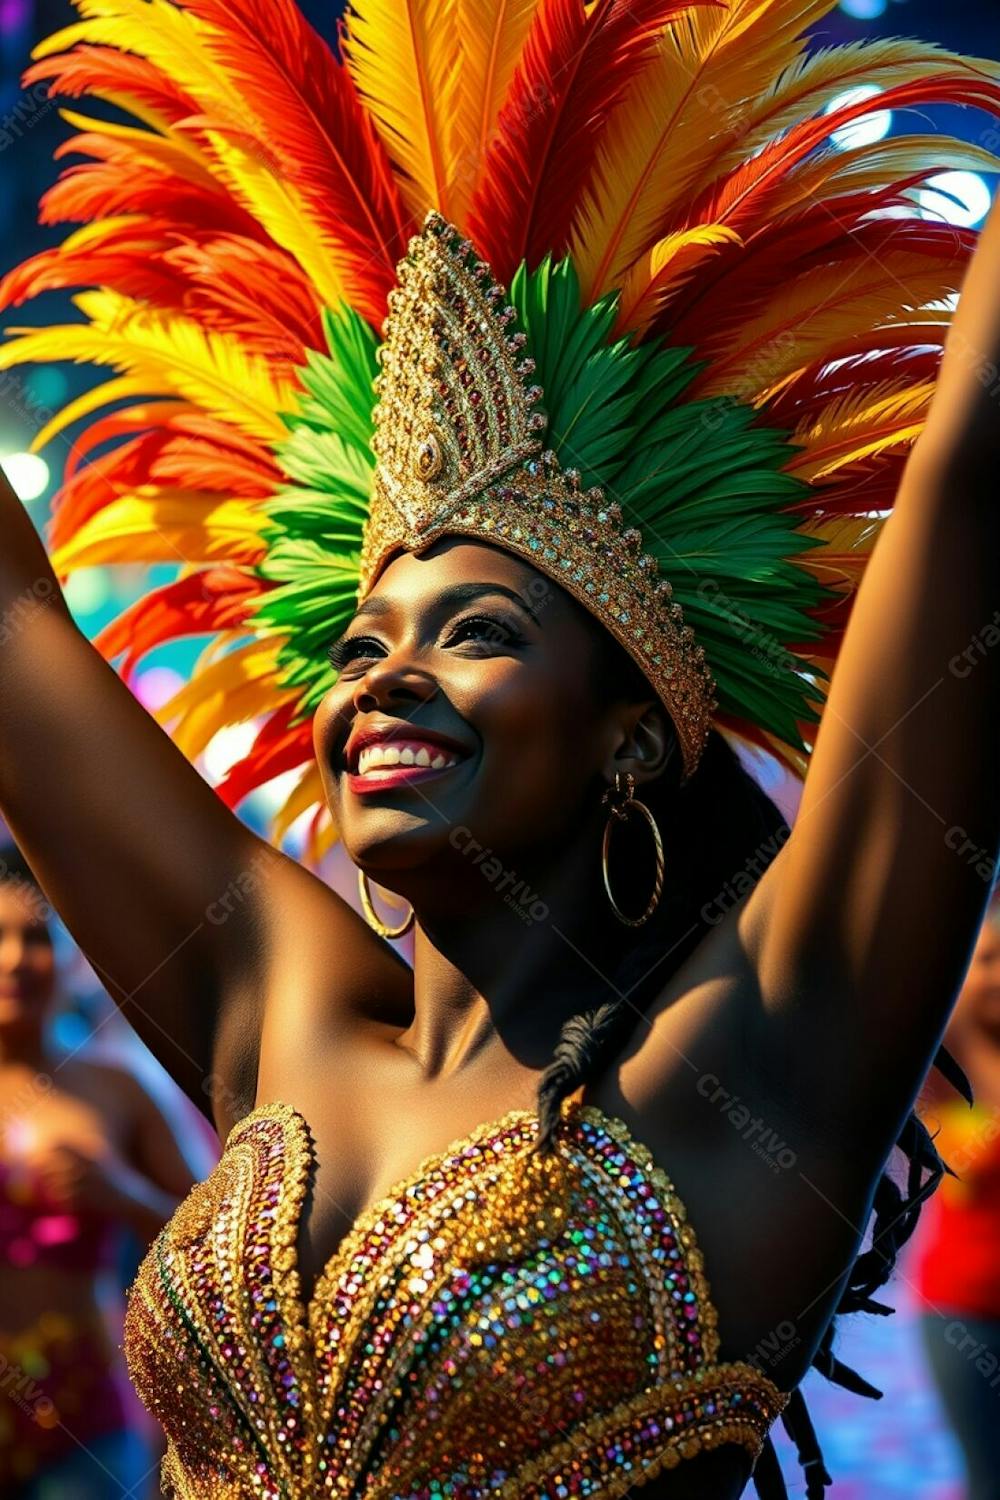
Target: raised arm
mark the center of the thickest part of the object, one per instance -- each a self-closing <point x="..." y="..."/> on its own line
<point x="861" y="930"/>
<point x="133" y="848"/>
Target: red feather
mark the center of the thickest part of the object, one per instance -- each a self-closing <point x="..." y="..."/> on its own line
<point x="106" y="73"/>
<point x="136" y="274"/>
<point x="278" y="747"/>
<point x="947" y="247"/>
<point x="124" y="185"/>
<point x="621" y="38"/>
<point x="205" y="464"/>
<point x="816" y="233"/>
<point x="501" y="212"/>
<point x="258" y="292"/>
<point x="167" y="444"/>
<point x="319" y="132"/>
<point x="127" y="422"/>
<point x="740" y="201"/>
<point x="909" y="349"/>
<point x="219" y="598"/>
<point x="744" y="271"/>
<point x="89" y="489"/>
<point x="853" y="494"/>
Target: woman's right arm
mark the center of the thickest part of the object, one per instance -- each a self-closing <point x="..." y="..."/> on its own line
<point x="142" y="860"/>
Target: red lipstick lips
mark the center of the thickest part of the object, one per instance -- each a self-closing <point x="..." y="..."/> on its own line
<point x="380" y="757"/>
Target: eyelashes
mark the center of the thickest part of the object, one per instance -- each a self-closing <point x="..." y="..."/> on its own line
<point x="341" y="653"/>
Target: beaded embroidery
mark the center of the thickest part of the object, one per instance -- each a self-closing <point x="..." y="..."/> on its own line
<point x="489" y="1327"/>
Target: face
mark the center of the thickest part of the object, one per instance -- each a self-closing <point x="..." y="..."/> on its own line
<point x="27" y="966"/>
<point x="464" y="709"/>
<point x="981" y="992"/>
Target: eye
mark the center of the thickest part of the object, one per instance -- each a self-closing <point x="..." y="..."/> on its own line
<point x="485" y="629"/>
<point x="347" y="651"/>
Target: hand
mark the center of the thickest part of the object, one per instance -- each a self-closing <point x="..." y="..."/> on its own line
<point x="78" y="1180"/>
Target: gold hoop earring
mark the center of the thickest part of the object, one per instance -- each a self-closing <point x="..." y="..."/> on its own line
<point x="372" y="917"/>
<point x="622" y="801"/>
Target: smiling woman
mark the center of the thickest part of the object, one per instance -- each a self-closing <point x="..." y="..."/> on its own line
<point x="529" y="381"/>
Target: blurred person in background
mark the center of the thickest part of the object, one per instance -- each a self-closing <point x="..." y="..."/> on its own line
<point x="85" y="1155"/>
<point x="958" y="1253"/>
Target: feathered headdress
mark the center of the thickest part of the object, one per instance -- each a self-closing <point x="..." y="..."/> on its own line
<point x="734" y="327"/>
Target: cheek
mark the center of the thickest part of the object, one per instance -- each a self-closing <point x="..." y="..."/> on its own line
<point x="325" y="730"/>
<point x="539" y="743"/>
<point x="44" y="962"/>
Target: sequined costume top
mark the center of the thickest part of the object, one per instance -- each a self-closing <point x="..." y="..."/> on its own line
<point x="501" y="1323"/>
<point x="62" y="1385"/>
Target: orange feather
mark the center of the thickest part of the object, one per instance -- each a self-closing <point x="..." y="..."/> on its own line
<point x="132" y="83"/>
<point x="319" y="135"/>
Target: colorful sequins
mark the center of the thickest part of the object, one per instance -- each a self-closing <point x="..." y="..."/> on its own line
<point x="500" y="1323"/>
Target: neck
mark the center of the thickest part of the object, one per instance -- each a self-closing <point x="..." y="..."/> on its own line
<point x="22" y="1045"/>
<point x="500" y="968"/>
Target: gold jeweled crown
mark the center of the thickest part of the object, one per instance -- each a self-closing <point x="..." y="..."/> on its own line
<point x="460" y="451"/>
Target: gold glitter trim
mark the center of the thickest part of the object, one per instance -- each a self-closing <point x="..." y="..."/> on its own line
<point x="516" y="1193"/>
<point x="459" y="452"/>
<point x="711" y="1432"/>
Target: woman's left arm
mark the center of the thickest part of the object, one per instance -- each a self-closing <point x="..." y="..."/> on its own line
<point x="861" y="929"/>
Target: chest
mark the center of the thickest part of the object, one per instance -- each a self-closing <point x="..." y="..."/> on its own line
<point x="484" y="1325"/>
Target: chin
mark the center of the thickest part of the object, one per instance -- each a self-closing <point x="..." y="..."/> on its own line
<point x="386" y="840"/>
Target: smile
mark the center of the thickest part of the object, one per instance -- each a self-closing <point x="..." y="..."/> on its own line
<point x="397" y="762"/>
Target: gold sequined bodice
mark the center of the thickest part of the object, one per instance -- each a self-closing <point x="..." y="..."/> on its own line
<point x="501" y="1323"/>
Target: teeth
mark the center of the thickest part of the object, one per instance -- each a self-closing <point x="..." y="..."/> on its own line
<point x="377" y="756"/>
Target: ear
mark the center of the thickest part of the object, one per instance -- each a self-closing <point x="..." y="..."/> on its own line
<point x="645" y="742"/>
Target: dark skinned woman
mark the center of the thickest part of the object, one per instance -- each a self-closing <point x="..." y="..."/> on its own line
<point x="587" y="509"/>
<point x="84" y="1153"/>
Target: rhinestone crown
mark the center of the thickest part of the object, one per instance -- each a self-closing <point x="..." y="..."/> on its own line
<point x="459" y="444"/>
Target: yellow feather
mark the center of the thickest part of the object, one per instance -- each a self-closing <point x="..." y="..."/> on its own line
<point x="306" y="793"/>
<point x="812" y="81"/>
<point x="178" y="43"/>
<point x="97" y="396"/>
<point x="492" y="34"/>
<point x="172" y="149"/>
<point x="282" y="211"/>
<point x="751" y="356"/>
<point x="672" y="122"/>
<point x="321" y="839"/>
<point x="233" y="690"/>
<point x="405" y="58"/>
<point x="847" y="543"/>
<point x="861" y="168"/>
<point x="640" y="302"/>
<point x="174" y="356"/>
<point x="859" y="425"/>
<point x="164" y="526"/>
<point x="92" y="235"/>
<point x="174" y="40"/>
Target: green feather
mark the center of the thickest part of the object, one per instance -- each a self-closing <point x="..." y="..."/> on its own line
<point x="703" y="480"/>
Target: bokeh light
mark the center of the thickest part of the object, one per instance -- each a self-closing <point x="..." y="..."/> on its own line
<point x="157" y="685"/>
<point x="227" y="747"/>
<point x="28" y="474"/>
<point x="866" y="129"/>
<point x="88" y="590"/>
<point x="961" y="198"/>
<point x="864" y="10"/>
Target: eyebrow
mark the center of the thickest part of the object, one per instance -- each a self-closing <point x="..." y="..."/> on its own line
<point x="456" y="593"/>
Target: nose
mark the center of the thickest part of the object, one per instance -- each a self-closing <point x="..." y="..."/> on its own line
<point x="13" y="952"/>
<point x="392" y="680"/>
